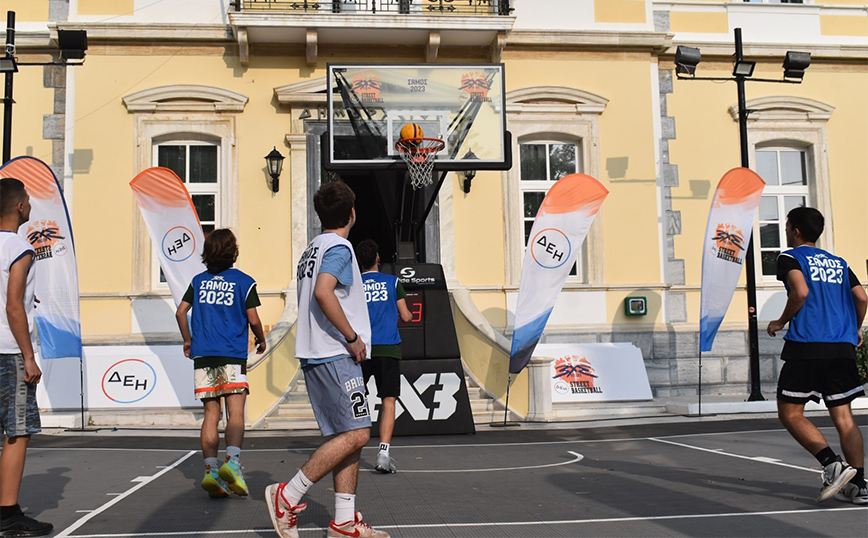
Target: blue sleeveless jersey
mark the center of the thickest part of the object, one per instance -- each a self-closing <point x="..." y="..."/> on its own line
<point x="381" y="296"/>
<point x="829" y="314"/>
<point x="219" y="318"/>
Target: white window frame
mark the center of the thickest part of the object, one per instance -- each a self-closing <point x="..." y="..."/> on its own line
<point x="794" y="122"/>
<point x="189" y="112"/>
<point x="558" y="114"/>
<point x="779" y="192"/>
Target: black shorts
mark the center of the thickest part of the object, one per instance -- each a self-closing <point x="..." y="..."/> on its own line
<point x="387" y="373"/>
<point x="834" y="380"/>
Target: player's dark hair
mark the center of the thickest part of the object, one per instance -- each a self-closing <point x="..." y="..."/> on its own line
<point x="220" y="250"/>
<point x="366" y="254"/>
<point x="333" y="203"/>
<point x="808" y="221"/>
<point x="12" y="191"/>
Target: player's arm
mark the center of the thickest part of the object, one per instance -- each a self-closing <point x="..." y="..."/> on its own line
<point x="256" y="327"/>
<point x="17" y="316"/>
<point x="183" y="325"/>
<point x="324" y="293"/>
<point x="795" y="300"/>
<point x="860" y="299"/>
<point x="403" y="312"/>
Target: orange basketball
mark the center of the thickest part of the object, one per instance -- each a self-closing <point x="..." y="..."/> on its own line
<point x="412" y="130"/>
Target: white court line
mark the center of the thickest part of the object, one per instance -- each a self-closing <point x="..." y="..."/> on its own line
<point x="494" y="524"/>
<point x="577" y="458"/>
<point x="761" y="459"/>
<point x="66" y="532"/>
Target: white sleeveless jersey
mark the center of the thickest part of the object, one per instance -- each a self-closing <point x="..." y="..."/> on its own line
<point x="316" y="337"/>
<point x="12" y="247"/>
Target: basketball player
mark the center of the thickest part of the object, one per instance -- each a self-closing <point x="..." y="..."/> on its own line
<point x="331" y="340"/>
<point x="825" y="308"/>
<point x="19" y="373"/>
<point x="386" y="301"/>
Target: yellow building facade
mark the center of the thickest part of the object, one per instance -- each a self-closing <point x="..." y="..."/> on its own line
<point x="224" y="83"/>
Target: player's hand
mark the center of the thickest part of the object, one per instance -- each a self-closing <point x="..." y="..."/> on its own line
<point x="358" y="350"/>
<point x="32" y="373"/>
<point x="187" y="349"/>
<point x="775" y="326"/>
<point x="859" y="339"/>
<point x="260" y="348"/>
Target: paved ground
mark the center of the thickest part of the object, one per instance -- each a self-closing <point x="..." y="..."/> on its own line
<point x="740" y="477"/>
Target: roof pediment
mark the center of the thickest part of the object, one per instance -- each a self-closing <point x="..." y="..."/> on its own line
<point x="185" y="98"/>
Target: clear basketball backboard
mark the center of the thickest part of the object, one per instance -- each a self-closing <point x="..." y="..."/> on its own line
<point x="463" y="105"/>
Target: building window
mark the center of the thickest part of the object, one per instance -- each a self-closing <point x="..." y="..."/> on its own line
<point x="785" y="171"/>
<point x="541" y="164"/>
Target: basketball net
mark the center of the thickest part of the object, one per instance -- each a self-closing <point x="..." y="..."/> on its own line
<point x="419" y="154"/>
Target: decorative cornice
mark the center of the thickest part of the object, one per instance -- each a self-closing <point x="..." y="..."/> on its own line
<point x="784" y="108"/>
<point x="554" y="99"/>
<point x="569" y="39"/>
<point x="309" y="92"/>
<point x="185" y="98"/>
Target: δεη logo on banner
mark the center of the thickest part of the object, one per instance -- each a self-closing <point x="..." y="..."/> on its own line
<point x="44" y="236"/>
<point x="178" y="244"/>
<point x="551" y="248"/>
<point x="129" y="381"/>
<point x="576" y="375"/>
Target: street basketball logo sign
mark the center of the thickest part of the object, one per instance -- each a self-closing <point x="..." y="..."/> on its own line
<point x="44" y="235"/>
<point x="729" y="244"/>
<point x="475" y="87"/>
<point x="561" y="224"/>
<point x="575" y="375"/>
<point x="727" y="236"/>
<point x="366" y="88"/>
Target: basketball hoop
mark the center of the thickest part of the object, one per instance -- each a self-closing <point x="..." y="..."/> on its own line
<point x="419" y="154"/>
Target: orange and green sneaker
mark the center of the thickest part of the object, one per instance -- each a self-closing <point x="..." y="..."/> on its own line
<point x="213" y="484"/>
<point x="232" y="473"/>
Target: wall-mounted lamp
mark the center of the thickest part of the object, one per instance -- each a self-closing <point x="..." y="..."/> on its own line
<point x="305" y="114"/>
<point x="743" y="68"/>
<point x="470" y="173"/>
<point x="274" y="160"/>
<point x="795" y="64"/>
<point x="8" y="65"/>
<point x="72" y="43"/>
<point x="686" y="60"/>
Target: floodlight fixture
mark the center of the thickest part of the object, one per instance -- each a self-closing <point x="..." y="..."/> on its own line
<point x="72" y="44"/>
<point x="686" y="60"/>
<point x="743" y="68"/>
<point x="795" y="64"/>
<point x="8" y="65"/>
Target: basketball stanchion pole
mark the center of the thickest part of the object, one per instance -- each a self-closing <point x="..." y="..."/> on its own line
<point x="505" y="424"/>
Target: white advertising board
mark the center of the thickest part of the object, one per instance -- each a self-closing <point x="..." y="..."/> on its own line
<point x="596" y="372"/>
<point x="119" y="377"/>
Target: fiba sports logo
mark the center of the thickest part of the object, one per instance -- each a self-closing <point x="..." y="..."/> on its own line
<point x="551" y="248"/>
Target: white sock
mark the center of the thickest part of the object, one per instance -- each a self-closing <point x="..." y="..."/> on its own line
<point x="212" y="462"/>
<point x="233" y="452"/>
<point x="345" y="508"/>
<point x="384" y="448"/>
<point x="296" y="488"/>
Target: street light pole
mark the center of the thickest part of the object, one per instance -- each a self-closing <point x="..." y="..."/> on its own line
<point x="753" y="330"/>
<point x="7" y="92"/>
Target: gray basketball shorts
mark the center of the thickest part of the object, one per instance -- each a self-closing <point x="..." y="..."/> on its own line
<point x="337" y="394"/>
<point x="19" y="414"/>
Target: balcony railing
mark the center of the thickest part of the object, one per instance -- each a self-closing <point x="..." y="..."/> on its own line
<point x="401" y="7"/>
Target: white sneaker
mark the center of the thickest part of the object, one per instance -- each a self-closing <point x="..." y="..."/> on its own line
<point x="851" y="493"/>
<point x="284" y="518"/>
<point x="835" y="476"/>
<point x="355" y="529"/>
<point x="385" y="464"/>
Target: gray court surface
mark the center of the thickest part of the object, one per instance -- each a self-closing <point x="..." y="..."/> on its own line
<point x="743" y="477"/>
